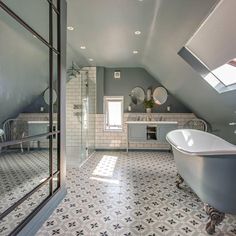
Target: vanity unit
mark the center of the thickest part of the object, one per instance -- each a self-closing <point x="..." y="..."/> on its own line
<point x="39" y="127"/>
<point x="36" y="127"/>
<point x="143" y="130"/>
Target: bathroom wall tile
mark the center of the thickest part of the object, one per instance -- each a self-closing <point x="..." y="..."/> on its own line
<point x="73" y="96"/>
<point x="107" y="139"/>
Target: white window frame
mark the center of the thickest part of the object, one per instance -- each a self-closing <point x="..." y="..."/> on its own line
<point x="106" y="114"/>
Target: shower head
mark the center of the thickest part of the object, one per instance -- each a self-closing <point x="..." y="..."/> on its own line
<point x="73" y="71"/>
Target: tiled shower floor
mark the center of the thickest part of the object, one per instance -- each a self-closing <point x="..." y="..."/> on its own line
<point x="116" y="194"/>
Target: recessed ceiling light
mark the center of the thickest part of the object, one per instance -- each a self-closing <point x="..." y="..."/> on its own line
<point x="140" y="0"/>
<point x="90" y="59"/>
<point x="70" y="27"/>
<point x="137" y="32"/>
<point x="135" y="52"/>
<point x="83" y="47"/>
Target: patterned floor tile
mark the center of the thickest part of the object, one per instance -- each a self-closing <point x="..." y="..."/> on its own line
<point x="114" y="194"/>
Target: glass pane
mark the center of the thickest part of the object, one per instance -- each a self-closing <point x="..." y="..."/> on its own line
<point x="114" y="113"/>
<point x="92" y="109"/>
<point x="24" y="77"/>
<point x="22" y="168"/>
<point x="54" y="30"/>
<point x="85" y="115"/>
<point x="212" y="80"/>
<point x="54" y="3"/>
<point x="55" y="182"/>
<point x="226" y="73"/>
<point x="55" y="154"/>
<point x="55" y="112"/>
<point x="55" y="91"/>
<point x="13" y="219"/>
<point x="34" y="12"/>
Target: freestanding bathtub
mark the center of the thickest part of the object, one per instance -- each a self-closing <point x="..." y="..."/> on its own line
<point x="207" y="164"/>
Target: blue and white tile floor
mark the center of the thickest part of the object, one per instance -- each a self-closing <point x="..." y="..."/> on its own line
<point x="116" y="194"/>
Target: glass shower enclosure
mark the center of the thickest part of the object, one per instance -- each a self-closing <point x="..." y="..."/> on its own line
<point x="81" y="100"/>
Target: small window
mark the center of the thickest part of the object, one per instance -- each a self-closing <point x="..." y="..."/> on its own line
<point x="113" y="113"/>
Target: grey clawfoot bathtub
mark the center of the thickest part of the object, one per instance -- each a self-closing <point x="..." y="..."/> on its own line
<point x="207" y="164"/>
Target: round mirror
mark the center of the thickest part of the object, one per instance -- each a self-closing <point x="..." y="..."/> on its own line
<point x="46" y="96"/>
<point x="137" y="95"/>
<point x="160" y="95"/>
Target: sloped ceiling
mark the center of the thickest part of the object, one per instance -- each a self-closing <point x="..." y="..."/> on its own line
<point x="106" y="28"/>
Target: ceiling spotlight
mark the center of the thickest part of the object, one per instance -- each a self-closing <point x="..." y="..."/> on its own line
<point x="137" y="32"/>
<point x="90" y="59"/>
<point x="82" y="47"/>
<point x="70" y="28"/>
<point x="135" y="52"/>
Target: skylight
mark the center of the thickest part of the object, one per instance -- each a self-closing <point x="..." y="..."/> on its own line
<point x="222" y="79"/>
<point x="226" y="73"/>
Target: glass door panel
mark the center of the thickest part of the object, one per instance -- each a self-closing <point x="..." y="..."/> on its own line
<point x="13" y="219"/>
<point x="84" y="125"/>
<point x="22" y="167"/>
<point x="24" y="76"/>
<point x="34" y="12"/>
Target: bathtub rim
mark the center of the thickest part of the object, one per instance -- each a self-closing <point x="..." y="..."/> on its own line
<point x="201" y="153"/>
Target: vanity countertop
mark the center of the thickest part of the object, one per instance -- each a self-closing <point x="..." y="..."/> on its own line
<point x="145" y="120"/>
<point x="39" y="122"/>
<point x="150" y="122"/>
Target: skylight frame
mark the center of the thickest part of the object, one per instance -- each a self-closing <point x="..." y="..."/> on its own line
<point x="208" y="75"/>
<point x="216" y="73"/>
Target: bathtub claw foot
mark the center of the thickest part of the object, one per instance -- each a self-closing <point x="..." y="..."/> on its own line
<point x="215" y="218"/>
<point x="179" y="180"/>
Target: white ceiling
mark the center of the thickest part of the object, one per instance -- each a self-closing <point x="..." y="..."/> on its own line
<point x="106" y="28"/>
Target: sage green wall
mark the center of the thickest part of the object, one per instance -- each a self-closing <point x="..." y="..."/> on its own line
<point x="130" y="78"/>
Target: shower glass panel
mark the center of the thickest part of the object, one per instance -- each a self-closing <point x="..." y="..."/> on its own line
<point x="84" y="120"/>
<point x="91" y="109"/>
<point x="81" y="97"/>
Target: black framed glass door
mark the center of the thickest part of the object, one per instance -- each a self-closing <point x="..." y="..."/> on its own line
<point x="30" y="70"/>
